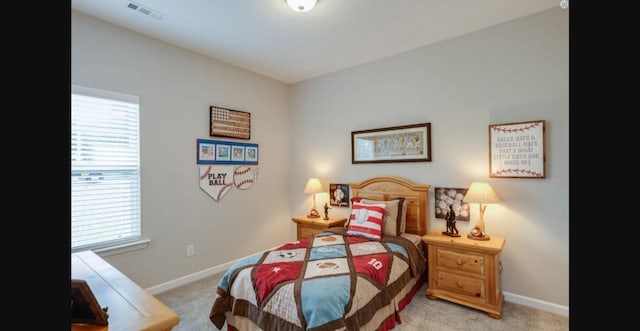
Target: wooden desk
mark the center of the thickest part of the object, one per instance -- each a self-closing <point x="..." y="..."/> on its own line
<point x="131" y="308"/>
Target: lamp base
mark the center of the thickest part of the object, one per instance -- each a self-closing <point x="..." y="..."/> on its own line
<point x="477" y="233"/>
<point x="483" y="237"/>
<point x="313" y="213"/>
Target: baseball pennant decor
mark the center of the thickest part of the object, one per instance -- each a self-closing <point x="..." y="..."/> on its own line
<point x="216" y="181"/>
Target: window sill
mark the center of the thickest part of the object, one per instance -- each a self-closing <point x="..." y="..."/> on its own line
<point x="123" y="248"/>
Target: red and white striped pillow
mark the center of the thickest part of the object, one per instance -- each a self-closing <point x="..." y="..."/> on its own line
<point x="366" y="220"/>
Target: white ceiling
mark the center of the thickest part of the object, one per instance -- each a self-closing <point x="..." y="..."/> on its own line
<point x="267" y="37"/>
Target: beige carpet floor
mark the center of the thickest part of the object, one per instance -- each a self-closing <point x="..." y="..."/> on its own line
<point x="192" y="302"/>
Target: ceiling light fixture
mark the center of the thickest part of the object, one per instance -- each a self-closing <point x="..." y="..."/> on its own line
<point x="145" y="10"/>
<point x="301" y="6"/>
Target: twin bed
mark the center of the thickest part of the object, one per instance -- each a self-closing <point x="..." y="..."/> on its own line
<point x="341" y="279"/>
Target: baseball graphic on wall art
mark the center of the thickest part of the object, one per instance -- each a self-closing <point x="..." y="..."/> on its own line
<point x="245" y="176"/>
<point x="216" y="180"/>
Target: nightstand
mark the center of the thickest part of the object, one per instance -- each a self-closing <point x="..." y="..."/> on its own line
<point x="309" y="226"/>
<point x="465" y="271"/>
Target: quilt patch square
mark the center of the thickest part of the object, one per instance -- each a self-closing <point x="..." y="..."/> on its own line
<point x="327" y="252"/>
<point x="326" y="267"/>
<point x="365" y="248"/>
<point x="328" y="240"/>
<point x="285" y="255"/>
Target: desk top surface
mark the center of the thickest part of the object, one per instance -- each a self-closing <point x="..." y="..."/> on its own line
<point x="130" y="307"/>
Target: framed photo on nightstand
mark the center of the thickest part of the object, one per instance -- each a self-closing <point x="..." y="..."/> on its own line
<point x="448" y="196"/>
<point x="339" y="195"/>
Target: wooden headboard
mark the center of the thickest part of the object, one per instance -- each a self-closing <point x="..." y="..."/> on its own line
<point x="387" y="188"/>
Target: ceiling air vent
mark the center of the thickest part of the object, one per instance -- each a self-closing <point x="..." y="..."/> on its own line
<point x="145" y="10"/>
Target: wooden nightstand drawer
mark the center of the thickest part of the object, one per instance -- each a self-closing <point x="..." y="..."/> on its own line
<point x="465" y="285"/>
<point x="472" y="263"/>
<point x="308" y="232"/>
<point x="308" y="227"/>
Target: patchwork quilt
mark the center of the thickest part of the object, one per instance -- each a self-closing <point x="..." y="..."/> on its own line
<point x="332" y="281"/>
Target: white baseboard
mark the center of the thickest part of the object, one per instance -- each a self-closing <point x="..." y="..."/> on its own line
<point x="190" y="278"/>
<point x="511" y="297"/>
<point x="194" y="276"/>
<point x="537" y="304"/>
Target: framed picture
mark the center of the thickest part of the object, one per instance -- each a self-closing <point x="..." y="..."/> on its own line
<point x="226" y="152"/>
<point x="339" y="195"/>
<point x="85" y="308"/>
<point x="223" y="152"/>
<point x="516" y="150"/>
<point x="206" y="151"/>
<point x="407" y="143"/>
<point x="251" y="154"/>
<point x="237" y="153"/>
<point x="230" y="123"/>
<point x="447" y="196"/>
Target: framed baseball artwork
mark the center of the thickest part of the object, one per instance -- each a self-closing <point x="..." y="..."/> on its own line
<point x="226" y="152"/>
<point x="516" y="150"/>
<point x="450" y="197"/>
<point x="237" y="153"/>
<point x="339" y="195"/>
<point x="406" y="143"/>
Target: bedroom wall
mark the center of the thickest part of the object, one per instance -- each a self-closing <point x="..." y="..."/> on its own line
<point x="516" y="71"/>
<point x="176" y="88"/>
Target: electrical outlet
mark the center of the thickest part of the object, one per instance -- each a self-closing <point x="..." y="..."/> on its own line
<point x="190" y="250"/>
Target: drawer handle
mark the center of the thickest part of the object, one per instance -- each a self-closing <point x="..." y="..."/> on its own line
<point x="459" y="284"/>
<point x="459" y="262"/>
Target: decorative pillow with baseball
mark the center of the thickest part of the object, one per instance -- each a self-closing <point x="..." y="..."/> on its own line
<point x="366" y="220"/>
<point x="392" y="215"/>
<point x="354" y="199"/>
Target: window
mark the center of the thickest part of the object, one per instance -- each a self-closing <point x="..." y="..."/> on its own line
<point x="105" y="169"/>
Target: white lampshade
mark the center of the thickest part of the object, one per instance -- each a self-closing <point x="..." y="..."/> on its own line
<point x="480" y="193"/>
<point x="301" y="5"/>
<point x="313" y="186"/>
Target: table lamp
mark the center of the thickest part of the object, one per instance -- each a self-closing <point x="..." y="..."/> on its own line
<point x="313" y="186"/>
<point x="482" y="194"/>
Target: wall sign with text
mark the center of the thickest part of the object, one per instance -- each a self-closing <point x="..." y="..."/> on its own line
<point x="217" y="180"/>
<point x="516" y="150"/>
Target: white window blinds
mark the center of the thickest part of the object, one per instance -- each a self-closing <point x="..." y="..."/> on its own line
<point x="105" y="168"/>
